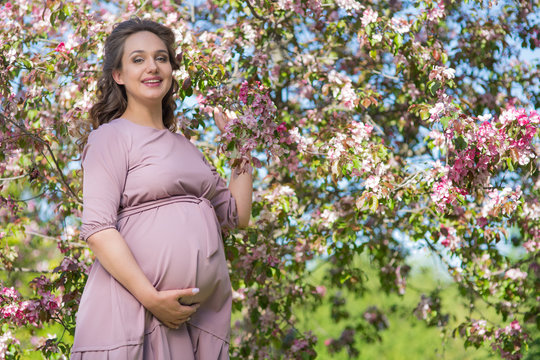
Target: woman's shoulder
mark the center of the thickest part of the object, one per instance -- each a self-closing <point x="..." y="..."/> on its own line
<point x="112" y="132"/>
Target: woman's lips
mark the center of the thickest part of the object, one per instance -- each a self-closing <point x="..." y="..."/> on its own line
<point x="154" y="82"/>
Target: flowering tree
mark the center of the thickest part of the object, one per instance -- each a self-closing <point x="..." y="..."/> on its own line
<point x="378" y="123"/>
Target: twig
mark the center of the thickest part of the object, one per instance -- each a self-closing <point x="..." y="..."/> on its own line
<point x="407" y="181"/>
<point x="32" y="198"/>
<point x="254" y="12"/>
<point x="75" y="244"/>
<point x="26" y="270"/>
<point x="13" y="177"/>
<point x="377" y="127"/>
<point x="44" y="143"/>
<point x="140" y="7"/>
<point x="386" y="76"/>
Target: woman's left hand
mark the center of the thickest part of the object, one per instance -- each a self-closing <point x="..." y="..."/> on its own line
<point x="222" y="117"/>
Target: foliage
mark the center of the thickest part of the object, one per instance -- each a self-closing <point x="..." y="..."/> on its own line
<point x="393" y="125"/>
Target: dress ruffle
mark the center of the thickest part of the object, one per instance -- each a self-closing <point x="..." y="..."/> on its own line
<point x="161" y="343"/>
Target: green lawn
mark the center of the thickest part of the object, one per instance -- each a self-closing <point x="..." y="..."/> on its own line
<point x="406" y="337"/>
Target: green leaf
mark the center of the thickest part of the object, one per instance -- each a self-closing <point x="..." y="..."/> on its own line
<point x="373" y="54"/>
<point x="460" y="143"/>
<point x="433" y="87"/>
<point x="374" y="203"/>
<point x="398" y="40"/>
<point x="65" y="12"/>
<point x="52" y="18"/>
<point x="509" y="164"/>
<point x="444" y="121"/>
<point x="369" y="29"/>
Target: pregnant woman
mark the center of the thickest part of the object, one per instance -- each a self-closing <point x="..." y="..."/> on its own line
<point x="153" y="210"/>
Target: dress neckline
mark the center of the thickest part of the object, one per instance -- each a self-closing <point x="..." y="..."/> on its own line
<point x="142" y="126"/>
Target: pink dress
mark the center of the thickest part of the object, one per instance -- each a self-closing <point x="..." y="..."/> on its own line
<point x="156" y="188"/>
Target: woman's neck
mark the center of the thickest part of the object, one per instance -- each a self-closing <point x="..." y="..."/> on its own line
<point x="143" y="115"/>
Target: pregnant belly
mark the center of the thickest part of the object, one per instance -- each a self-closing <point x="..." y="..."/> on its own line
<point x="178" y="246"/>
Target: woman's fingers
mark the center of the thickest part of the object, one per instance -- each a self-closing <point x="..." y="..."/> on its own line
<point x="185" y="292"/>
<point x="222" y="117"/>
<point x="188" y="310"/>
<point x="176" y="324"/>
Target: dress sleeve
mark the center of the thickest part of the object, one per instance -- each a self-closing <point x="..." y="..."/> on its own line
<point x="222" y="200"/>
<point x="105" y="164"/>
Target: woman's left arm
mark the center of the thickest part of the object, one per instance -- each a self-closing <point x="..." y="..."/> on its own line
<point x="240" y="185"/>
<point x="241" y="188"/>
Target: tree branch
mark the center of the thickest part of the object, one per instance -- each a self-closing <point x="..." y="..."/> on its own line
<point x="44" y="143"/>
<point x="254" y="12"/>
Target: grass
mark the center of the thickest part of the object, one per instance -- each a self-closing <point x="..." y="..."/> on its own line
<point x="406" y="337"/>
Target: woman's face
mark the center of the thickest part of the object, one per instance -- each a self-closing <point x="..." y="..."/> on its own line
<point x="146" y="69"/>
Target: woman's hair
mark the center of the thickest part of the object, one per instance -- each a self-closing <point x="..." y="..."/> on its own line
<point x="112" y="98"/>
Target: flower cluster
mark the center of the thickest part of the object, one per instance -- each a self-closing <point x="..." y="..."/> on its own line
<point x="437" y="12"/>
<point x="7" y="340"/>
<point x="302" y="7"/>
<point x="478" y="149"/>
<point x="342" y="89"/>
<point x="253" y="128"/>
<point x="349" y="147"/>
<point x="442" y="73"/>
<point x="400" y="25"/>
<point x="508" y="341"/>
<point x="449" y="237"/>
<point x="20" y="312"/>
<point x="374" y="316"/>
<point x="369" y="16"/>
<point x="351" y="6"/>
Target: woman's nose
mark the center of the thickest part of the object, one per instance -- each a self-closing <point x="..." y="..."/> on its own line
<point x="151" y="65"/>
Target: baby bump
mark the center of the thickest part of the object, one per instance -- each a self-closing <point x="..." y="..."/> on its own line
<point x="178" y="246"/>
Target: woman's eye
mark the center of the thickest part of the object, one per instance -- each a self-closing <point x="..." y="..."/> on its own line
<point x="162" y="58"/>
<point x="137" y="60"/>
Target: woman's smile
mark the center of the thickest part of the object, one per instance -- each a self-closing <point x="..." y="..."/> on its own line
<point x="154" y="81"/>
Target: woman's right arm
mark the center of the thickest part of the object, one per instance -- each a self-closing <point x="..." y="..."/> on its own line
<point x="115" y="256"/>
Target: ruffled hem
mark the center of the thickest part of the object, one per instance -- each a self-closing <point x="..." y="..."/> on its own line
<point x="86" y="232"/>
<point x="186" y="343"/>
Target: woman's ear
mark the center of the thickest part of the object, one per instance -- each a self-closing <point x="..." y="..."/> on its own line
<point x="117" y="76"/>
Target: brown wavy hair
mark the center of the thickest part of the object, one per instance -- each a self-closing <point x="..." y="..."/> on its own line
<point x="111" y="97"/>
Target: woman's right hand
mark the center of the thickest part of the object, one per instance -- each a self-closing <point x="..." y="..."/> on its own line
<point x="165" y="306"/>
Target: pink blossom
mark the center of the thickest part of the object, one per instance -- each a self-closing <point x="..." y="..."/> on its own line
<point x="515" y="274"/>
<point x="436" y="111"/>
<point x="449" y="238"/>
<point x="9" y="293"/>
<point x="441" y="73"/>
<point x="532" y="245"/>
<point x="321" y="290"/>
<point x="360" y="131"/>
<point x="301" y="7"/>
<point x="348" y="96"/>
<point x="351" y="6"/>
<point x="514" y="325"/>
<point x="478" y="328"/>
<point x="369" y="16"/>
<point x="436" y="12"/>
<point x="437" y="137"/>
<point x="327" y="342"/>
<point x="400" y="25"/>
<point x="482" y="222"/>
<point x="5" y="339"/>
<point x="61" y="48"/>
